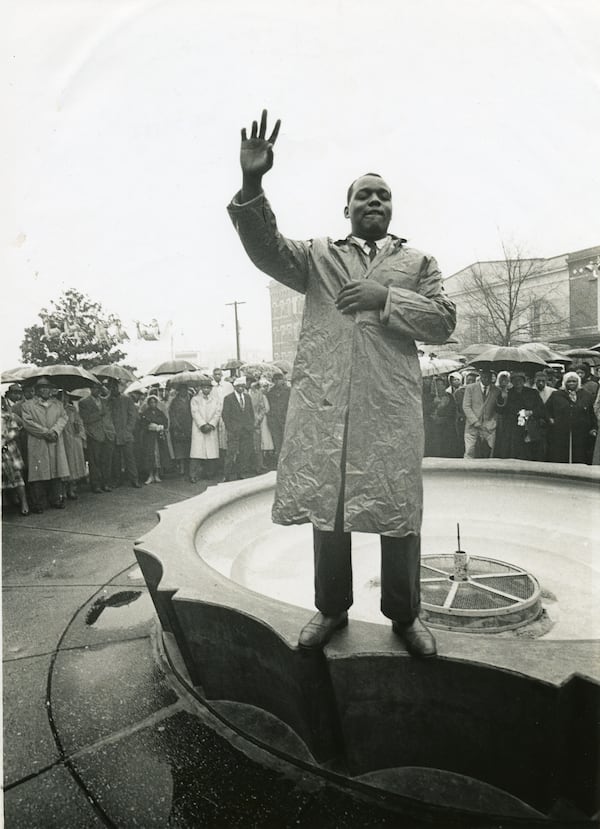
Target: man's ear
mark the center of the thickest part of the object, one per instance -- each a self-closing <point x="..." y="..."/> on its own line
<point x="346" y="212"/>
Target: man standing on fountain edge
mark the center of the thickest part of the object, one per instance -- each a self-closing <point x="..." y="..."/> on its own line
<point x="353" y="443"/>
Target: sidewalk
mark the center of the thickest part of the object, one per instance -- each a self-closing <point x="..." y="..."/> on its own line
<point x="95" y="732"/>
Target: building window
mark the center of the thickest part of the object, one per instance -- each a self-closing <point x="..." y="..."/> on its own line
<point x="535" y="318"/>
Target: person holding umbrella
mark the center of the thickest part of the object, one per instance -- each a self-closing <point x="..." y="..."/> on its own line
<point x="100" y="436"/>
<point x="44" y="419"/>
<point x="524" y="419"/>
<point x="124" y="418"/>
<point x="573" y="424"/>
<point x="180" y="427"/>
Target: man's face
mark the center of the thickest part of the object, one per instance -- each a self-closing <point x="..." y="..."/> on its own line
<point x="581" y="374"/>
<point x="217" y="374"/>
<point x="14" y="395"/>
<point x="486" y="378"/>
<point x="44" y="391"/>
<point x="571" y="384"/>
<point x="369" y="208"/>
<point x="470" y="379"/>
<point x="518" y="381"/>
<point x="455" y="382"/>
<point x="540" y="382"/>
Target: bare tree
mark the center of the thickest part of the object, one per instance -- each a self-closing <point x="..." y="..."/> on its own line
<point x="511" y="300"/>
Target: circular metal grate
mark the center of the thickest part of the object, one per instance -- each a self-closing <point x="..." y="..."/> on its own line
<point x="494" y="596"/>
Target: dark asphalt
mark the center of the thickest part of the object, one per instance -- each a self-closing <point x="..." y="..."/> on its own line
<point x="96" y="731"/>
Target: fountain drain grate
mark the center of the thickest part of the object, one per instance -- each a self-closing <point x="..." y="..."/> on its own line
<point x="492" y="595"/>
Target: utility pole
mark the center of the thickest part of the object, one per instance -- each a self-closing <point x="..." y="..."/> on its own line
<point x="237" y="327"/>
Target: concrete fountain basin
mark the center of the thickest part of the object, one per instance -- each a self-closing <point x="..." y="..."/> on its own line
<point x="502" y="724"/>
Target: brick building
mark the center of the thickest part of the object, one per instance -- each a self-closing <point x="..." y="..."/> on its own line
<point x="560" y="304"/>
<point x="558" y="299"/>
<point x="287" y="307"/>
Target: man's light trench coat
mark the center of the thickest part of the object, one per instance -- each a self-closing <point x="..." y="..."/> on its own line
<point x="356" y="371"/>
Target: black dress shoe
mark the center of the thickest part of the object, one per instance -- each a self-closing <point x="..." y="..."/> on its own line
<point x="320" y="629"/>
<point x="136" y="484"/>
<point x="418" y="639"/>
<point x="59" y="504"/>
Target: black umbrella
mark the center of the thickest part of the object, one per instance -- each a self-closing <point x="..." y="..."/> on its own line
<point x="120" y="373"/>
<point x="509" y="358"/>
<point x="173" y="367"/>
<point x="64" y="377"/>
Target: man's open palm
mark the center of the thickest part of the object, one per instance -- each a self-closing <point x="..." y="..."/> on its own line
<point x="256" y="152"/>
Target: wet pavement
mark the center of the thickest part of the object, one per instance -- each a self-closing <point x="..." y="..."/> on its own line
<point x="97" y="731"/>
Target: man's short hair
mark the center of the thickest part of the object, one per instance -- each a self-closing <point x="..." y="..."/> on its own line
<point x="349" y="194"/>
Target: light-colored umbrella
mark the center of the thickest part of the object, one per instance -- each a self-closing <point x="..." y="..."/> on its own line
<point x="15" y="375"/>
<point x="431" y="366"/>
<point x="188" y="378"/>
<point x="120" y="373"/>
<point x="64" y="376"/>
<point x="149" y="380"/>
<point x="508" y="358"/>
<point x="545" y="352"/>
<point x="586" y="355"/>
<point x="477" y="348"/>
<point x="173" y="367"/>
<point x="283" y="365"/>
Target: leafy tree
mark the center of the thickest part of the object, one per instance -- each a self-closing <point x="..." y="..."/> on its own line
<point x="77" y="331"/>
<point x="511" y="300"/>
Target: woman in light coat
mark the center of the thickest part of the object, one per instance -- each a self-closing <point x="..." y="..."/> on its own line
<point x="206" y="408"/>
<point x="44" y="419"/>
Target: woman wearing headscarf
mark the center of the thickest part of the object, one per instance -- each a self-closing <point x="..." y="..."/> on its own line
<point x="443" y="420"/>
<point x="12" y="462"/>
<point x="260" y="408"/>
<point x="524" y="417"/>
<point x="74" y="434"/>
<point x="501" y="444"/>
<point x="573" y="423"/>
<point x="596" y="455"/>
<point x="155" y="453"/>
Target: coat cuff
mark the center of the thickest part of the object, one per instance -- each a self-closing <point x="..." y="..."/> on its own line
<point x="384" y="314"/>
<point x="236" y="203"/>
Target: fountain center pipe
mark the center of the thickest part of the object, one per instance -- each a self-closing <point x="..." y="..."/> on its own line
<point x="460" y="561"/>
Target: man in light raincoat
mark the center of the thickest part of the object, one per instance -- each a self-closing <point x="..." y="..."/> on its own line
<point x="353" y="443"/>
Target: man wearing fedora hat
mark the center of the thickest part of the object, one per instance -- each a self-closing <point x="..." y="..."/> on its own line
<point x="44" y="419"/>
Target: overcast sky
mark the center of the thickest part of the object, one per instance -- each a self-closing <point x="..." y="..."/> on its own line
<point x="484" y="117"/>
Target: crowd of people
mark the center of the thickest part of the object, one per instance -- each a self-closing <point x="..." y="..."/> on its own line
<point x="230" y="428"/>
<point x="214" y="429"/>
<point x="483" y="414"/>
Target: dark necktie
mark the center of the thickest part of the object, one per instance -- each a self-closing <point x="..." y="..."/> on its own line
<point x="241" y="398"/>
<point x="372" y="250"/>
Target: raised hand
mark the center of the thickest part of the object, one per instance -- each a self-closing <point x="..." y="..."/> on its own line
<point x="256" y="155"/>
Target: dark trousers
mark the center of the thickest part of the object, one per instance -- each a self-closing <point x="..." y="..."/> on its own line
<point x="203" y="468"/>
<point x="38" y="490"/>
<point x="99" y="457"/>
<point x="123" y="457"/>
<point x="400" y="574"/>
<point x="400" y="567"/>
<point x="239" y="460"/>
